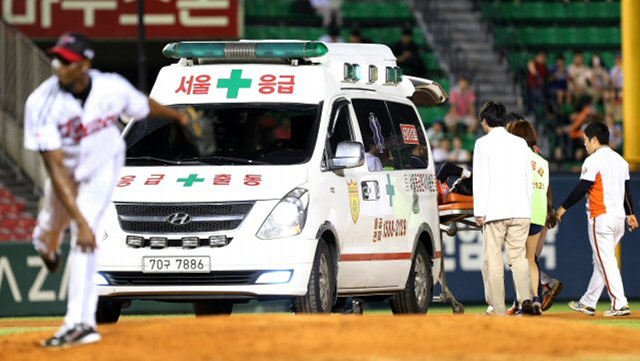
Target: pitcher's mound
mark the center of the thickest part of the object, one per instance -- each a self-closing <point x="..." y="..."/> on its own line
<point x="318" y="337"/>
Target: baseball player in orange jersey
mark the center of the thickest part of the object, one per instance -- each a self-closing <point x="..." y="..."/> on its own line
<point x="605" y="178"/>
<point x="71" y="120"/>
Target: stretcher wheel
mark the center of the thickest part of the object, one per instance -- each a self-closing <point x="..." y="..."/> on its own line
<point x="458" y="308"/>
<point x="453" y="229"/>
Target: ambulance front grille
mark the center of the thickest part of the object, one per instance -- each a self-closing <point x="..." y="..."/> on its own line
<point x="202" y="217"/>
<point x="217" y="278"/>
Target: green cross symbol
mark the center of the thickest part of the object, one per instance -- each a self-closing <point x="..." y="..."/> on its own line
<point x="391" y="190"/>
<point x="234" y="83"/>
<point x="188" y="182"/>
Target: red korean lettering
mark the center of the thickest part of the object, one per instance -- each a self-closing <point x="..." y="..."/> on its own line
<point x="252" y="179"/>
<point x="202" y="84"/>
<point x="154" y="180"/>
<point x="286" y="83"/>
<point x="267" y="84"/>
<point x="186" y="85"/>
<point x="222" y="180"/>
<point x="126" y="180"/>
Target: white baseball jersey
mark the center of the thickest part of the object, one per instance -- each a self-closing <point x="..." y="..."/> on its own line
<point x="93" y="154"/>
<point x="55" y="119"/>
<point x="609" y="171"/>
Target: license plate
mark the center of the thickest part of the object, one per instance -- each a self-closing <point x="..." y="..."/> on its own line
<point x="177" y="264"/>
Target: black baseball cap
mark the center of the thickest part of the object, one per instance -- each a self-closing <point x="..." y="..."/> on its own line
<point x="73" y="47"/>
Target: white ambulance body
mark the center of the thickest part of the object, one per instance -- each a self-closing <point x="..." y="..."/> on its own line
<point x="316" y="182"/>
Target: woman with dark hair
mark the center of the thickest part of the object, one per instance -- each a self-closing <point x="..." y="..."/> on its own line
<point x="540" y="206"/>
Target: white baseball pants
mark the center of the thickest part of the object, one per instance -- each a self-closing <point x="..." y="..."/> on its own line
<point x="93" y="198"/>
<point x="605" y="232"/>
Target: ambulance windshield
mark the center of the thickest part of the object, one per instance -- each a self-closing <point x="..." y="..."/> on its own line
<point x="229" y="134"/>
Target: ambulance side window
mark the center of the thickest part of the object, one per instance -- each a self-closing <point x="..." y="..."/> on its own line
<point x="339" y="126"/>
<point x="412" y="141"/>
<point x="377" y="134"/>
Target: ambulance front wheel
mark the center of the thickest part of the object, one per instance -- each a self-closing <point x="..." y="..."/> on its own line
<point x="108" y="311"/>
<point x="322" y="284"/>
<point x="416" y="296"/>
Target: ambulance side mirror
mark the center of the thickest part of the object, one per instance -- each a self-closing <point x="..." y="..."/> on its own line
<point x="348" y="155"/>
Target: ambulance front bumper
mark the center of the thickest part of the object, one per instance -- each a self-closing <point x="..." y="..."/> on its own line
<point x="274" y="281"/>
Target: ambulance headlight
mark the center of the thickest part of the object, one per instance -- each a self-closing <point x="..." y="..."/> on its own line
<point x="288" y="217"/>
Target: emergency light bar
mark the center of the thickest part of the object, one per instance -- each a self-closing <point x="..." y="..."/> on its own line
<point x="244" y="50"/>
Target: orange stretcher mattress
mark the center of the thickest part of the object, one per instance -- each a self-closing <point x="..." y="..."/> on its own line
<point x="456" y="201"/>
<point x="455" y="208"/>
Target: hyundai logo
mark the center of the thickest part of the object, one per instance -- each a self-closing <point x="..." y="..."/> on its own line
<point x="179" y="219"/>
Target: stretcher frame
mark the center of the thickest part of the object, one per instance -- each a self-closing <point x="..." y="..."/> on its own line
<point x="454" y="217"/>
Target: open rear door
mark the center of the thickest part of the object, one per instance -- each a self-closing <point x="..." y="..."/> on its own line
<point x="427" y="92"/>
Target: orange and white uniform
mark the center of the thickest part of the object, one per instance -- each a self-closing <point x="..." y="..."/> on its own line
<point x="606" y="214"/>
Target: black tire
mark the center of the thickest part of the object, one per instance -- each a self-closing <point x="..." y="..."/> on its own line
<point x="418" y="293"/>
<point x="212" y="307"/>
<point x="322" y="284"/>
<point x="108" y="311"/>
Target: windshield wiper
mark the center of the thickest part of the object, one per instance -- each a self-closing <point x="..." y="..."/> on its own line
<point x="165" y="161"/>
<point x="223" y="158"/>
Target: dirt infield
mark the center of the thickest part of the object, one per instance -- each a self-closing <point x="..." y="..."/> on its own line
<point x="336" y="337"/>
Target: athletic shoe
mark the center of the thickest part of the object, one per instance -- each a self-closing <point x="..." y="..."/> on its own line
<point x="537" y="307"/>
<point x="78" y="335"/>
<point x="353" y="306"/>
<point x="549" y="297"/>
<point x="623" y="311"/>
<point x="515" y="309"/>
<point x="52" y="263"/>
<point x="527" y="307"/>
<point x="358" y="306"/>
<point x="578" y="306"/>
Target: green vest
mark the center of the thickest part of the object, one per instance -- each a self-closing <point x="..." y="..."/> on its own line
<point x="540" y="186"/>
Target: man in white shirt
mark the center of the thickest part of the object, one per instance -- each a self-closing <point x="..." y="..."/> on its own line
<point x="605" y="179"/>
<point x="502" y="187"/>
<point x="70" y="119"/>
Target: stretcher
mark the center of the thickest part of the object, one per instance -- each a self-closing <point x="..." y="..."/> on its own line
<point x="456" y="214"/>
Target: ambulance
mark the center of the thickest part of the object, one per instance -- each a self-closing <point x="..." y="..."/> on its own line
<point x="307" y="176"/>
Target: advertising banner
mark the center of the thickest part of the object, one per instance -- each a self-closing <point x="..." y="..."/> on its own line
<point x="118" y="19"/>
<point x="27" y="289"/>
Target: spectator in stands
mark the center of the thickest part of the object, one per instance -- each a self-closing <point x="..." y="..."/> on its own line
<point x="585" y="112"/>
<point x="537" y="75"/>
<point x="617" y="76"/>
<point x="355" y="36"/>
<point x="615" y="133"/>
<point x="458" y="154"/>
<point x="435" y="133"/>
<point x="579" y="76"/>
<point x="617" y="81"/>
<point x="599" y="80"/>
<point x="332" y="35"/>
<point x="329" y="10"/>
<point x="407" y="54"/>
<point x="441" y="152"/>
<point x="463" y="107"/>
<point x="558" y="82"/>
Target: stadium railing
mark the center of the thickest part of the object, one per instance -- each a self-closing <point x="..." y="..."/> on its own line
<point x="23" y="66"/>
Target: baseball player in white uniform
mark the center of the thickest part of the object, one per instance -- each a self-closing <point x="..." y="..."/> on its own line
<point x="605" y="178"/>
<point x="71" y="120"/>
